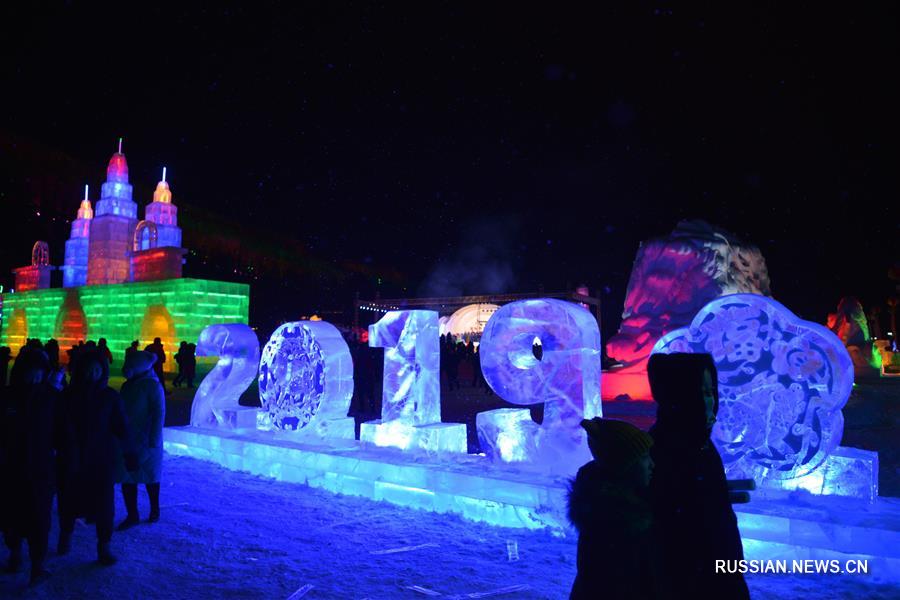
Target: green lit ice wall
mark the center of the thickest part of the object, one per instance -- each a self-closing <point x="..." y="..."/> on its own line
<point x="173" y="309"/>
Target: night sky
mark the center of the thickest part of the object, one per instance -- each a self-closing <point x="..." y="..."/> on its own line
<point x="320" y="150"/>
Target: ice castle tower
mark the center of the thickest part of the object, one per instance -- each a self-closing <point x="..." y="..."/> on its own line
<point x="75" y="267"/>
<point x="113" y="226"/>
<point x="156" y="250"/>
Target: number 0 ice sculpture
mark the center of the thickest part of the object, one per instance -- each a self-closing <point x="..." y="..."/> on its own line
<point x="306" y="380"/>
<point x="782" y="384"/>
<point x="411" y="395"/>
<point x="216" y="400"/>
<point x="566" y="379"/>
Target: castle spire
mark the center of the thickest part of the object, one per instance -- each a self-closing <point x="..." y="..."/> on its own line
<point x="162" y="193"/>
<point x="85" y="211"/>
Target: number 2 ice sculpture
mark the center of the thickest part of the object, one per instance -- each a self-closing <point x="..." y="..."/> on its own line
<point x="306" y="380"/>
<point x="566" y="379"/>
<point x="237" y="347"/>
<point x="782" y="384"/>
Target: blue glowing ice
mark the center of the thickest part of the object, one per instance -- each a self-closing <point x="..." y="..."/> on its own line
<point x="411" y="393"/>
<point x="566" y="378"/>
<point x="782" y="384"/>
<point x="237" y="347"/>
<point x="306" y="377"/>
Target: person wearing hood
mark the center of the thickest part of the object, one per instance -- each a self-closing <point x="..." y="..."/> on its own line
<point x="95" y="427"/>
<point x="26" y="460"/>
<point x="691" y="503"/>
<point x="145" y="408"/>
<point x="608" y="505"/>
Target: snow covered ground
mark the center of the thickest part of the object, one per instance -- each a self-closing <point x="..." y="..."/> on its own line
<point x="231" y="535"/>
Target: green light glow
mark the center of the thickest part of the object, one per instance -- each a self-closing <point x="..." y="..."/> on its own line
<point x="170" y="309"/>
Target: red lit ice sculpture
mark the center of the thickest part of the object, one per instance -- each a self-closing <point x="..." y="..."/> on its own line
<point x="674" y="277"/>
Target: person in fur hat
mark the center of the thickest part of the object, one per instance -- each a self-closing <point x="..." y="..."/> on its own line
<point x="608" y="506"/>
<point x="95" y="429"/>
<point x="145" y="407"/>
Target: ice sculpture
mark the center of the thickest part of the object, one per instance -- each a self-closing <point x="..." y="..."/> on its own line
<point x="411" y="394"/>
<point x="566" y="378"/>
<point x="76" y="261"/>
<point x="112" y="228"/>
<point x="35" y="276"/>
<point x="165" y="214"/>
<point x="216" y="400"/>
<point x="507" y="434"/>
<point x="782" y="384"/>
<point x="673" y="277"/>
<point x="306" y="380"/>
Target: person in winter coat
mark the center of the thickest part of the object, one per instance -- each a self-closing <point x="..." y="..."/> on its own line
<point x="692" y="509"/>
<point x="94" y="429"/>
<point x="145" y="409"/>
<point x="5" y="353"/>
<point x="157" y="349"/>
<point x="26" y="460"/>
<point x="190" y="365"/>
<point x="608" y="505"/>
<point x="180" y="360"/>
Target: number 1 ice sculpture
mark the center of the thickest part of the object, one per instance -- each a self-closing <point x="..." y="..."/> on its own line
<point x="411" y="395"/>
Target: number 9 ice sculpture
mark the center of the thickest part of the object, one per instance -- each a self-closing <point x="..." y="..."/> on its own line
<point x="782" y="384"/>
<point x="306" y="381"/>
<point x="566" y="379"/>
<point x="216" y="400"/>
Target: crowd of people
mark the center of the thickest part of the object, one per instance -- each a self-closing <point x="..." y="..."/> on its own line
<point x="65" y="433"/>
<point x="460" y="363"/>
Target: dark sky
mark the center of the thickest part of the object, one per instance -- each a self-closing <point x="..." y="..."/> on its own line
<point x="319" y="149"/>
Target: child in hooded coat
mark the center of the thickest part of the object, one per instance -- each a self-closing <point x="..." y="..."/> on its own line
<point x="608" y="505"/>
<point x="145" y="408"/>
<point x="691" y="505"/>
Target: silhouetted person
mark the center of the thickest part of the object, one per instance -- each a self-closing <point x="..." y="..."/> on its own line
<point x="692" y="510"/>
<point x="145" y="409"/>
<point x="452" y="364"/>
<point x="464" y="369"/>
<point x="190" y="365"/>
<point x="179" y="360"/>
<point x="94" y="427"/>
<point x="5" y="357"/>
<point x="26" y="460"/>
<point x="52" y="350"/>
<point x="157" y="348"/>
<point x="131" y="348"/>
<point x="104" y="349"/>
<point x="609" y="505"/>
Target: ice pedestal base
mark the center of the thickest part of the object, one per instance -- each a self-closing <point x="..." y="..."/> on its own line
<point x="240" y="418"/>
<point x="848" y="472"/>
<point x="796" y="526"/>
<point x="315" y="431"/>
<point x="436" y="437"/>
<point x="507" y="434"/>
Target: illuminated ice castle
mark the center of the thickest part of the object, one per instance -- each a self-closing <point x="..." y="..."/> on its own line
<point x="121" y="277"/>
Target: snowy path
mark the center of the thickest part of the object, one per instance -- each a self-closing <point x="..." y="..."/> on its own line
<point x="232" y="535"/>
